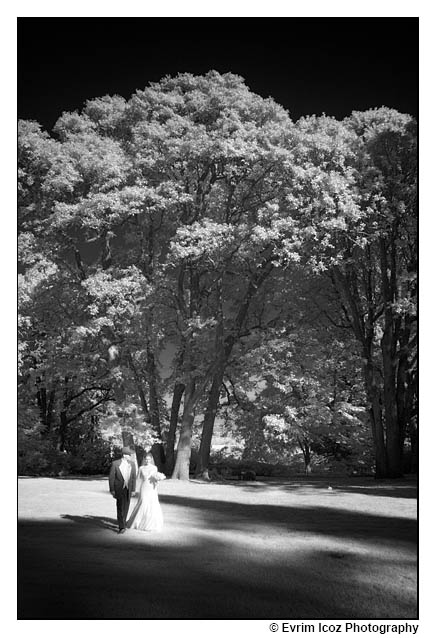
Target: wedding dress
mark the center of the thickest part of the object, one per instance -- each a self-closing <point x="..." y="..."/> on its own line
<point x="147" y="514"/>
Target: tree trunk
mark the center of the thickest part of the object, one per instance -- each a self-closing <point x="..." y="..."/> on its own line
<point x="414" y="449"/>
<point x="389" y="344"/>
<point x="214" y="394"/>
<point x="224" y="349"/>
<point x="46" y="404"/>
<point x="139" y="450"/>
<point x="140" y="390"/>
<point x="157" y="451"/>
<point x="62" y="431"/>
<point x="158" y="447"/>
<point x="182" y="466"/>
<point x="393" y="438"/>
<point x="50" y="408"/>
<point x="306" y="451"/>
<point x="347" y="287"/>
<point x="208" y="425"/>
<point x="412" y="422"/>
<point x="375" y="414"/>
<point x="405" y="388"/>
<point x="171" y="435"/>
<point x="402" y="407"/>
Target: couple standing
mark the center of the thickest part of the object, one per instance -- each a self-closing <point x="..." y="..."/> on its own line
<point x="147" y="514"/>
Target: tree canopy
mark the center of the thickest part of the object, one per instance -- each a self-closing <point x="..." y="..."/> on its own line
<point x="195" y="234"/>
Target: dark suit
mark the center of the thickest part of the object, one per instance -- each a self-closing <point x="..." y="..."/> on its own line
<point x="122" y="493"/>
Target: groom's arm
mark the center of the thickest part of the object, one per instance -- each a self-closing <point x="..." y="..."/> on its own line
<point x="112" y="479"/>
<point x="133" y="477"/>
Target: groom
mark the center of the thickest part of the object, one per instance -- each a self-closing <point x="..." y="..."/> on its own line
<point x="122" y="485"/>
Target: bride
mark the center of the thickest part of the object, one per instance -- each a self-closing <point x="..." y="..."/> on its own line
<point x="147" y="514"/>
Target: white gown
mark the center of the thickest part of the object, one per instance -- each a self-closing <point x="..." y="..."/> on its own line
<point x="147" y="514"/>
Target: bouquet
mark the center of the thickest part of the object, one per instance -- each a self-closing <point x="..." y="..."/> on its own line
<point x="156" y="477"/>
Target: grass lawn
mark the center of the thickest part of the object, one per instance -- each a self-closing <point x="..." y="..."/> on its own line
<point x="274" y="549"/>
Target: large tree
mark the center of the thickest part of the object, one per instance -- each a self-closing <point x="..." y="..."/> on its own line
<point x="163" y="224"/>
<point x="360" y="215"/>
<point x="222" y="147"/>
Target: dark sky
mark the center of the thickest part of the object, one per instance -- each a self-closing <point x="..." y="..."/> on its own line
<point x="308" y="65"/>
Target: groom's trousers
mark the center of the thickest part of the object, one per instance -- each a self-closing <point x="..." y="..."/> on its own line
<point x="123" y="508"/>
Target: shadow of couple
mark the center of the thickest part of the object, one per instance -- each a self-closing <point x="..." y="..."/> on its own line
<point x="97" y="521"/>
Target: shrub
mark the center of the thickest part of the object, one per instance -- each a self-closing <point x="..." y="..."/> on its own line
<point x="91" y="458"/>
<point x="38" y="456"/>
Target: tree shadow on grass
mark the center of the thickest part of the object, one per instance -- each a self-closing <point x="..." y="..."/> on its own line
<point x="390" y="490"/>
<point x="324" y="521"/>
<point x="76" y="567"/>
<point x="80" y="571"/>
<point x="400" y="488"/>
<point x="75" y="477"/>
<point x="403" y="488"/>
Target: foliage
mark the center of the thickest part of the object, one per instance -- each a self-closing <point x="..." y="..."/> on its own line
<point x="301" y="392"/>
<point x="38" y="456"/>
<point x="126" y="418"/>
<point x="275" y="257"/>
